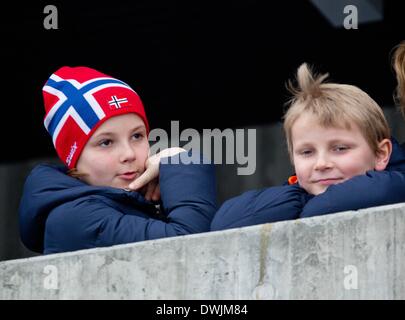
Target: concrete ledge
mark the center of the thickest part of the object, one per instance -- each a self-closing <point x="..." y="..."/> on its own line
<point x="348" y="255"/>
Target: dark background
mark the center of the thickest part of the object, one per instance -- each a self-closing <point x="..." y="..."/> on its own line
<point x="209" y="64"/>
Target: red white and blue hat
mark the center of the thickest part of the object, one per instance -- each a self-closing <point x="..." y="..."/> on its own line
<point x="77" y="101"/>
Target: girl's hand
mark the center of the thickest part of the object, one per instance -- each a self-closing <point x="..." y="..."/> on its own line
<point x="149" y="180"/>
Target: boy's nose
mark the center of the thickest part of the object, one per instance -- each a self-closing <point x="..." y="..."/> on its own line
<point x="323" y="163"/>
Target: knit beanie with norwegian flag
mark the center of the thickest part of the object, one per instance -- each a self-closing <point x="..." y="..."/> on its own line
<point x="77" y="101"/>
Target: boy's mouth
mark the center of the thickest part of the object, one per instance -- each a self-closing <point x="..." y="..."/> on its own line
<point x="328" y="181"/>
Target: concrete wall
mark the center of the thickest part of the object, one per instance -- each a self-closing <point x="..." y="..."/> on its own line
<point x="349" y="255"/>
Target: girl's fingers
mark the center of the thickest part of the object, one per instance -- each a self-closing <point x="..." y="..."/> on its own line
<point x="150" y="189"/>
<point x="156" y="193"/>
<point x="149" y="174"/>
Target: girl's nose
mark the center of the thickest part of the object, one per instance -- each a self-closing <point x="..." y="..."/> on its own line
<point x="128" y="153"/>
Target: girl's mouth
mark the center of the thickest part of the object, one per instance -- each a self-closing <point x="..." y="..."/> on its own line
<point x="128" y="175"/>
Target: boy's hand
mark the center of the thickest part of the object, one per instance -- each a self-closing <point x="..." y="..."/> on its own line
<point x="148" y="182"/>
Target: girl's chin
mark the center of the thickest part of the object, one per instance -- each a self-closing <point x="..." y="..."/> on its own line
<point x="121" y="185"/>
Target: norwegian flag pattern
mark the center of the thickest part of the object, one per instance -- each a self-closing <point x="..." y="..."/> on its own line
<point x="80" y="99"/>
<point x="76" y="100"/>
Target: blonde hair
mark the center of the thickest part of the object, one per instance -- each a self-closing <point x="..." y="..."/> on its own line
<point x="398" y="62"/>
<point x="335" y="105"/>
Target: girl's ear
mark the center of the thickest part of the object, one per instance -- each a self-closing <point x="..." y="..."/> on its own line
<point x="383" y="154"/>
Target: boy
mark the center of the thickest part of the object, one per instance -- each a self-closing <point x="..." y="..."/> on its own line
<point x="339" y="143"/>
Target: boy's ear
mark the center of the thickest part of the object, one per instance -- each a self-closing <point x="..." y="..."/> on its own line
<point x="383" y="155"/>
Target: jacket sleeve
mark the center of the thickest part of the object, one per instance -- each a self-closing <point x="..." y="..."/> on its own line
<point x="375" y="188"/>
<point x="188" y="196"/>
<point x="261" y="206"/>
<point x="188" y="193"/>
<point x="91" y="222"/>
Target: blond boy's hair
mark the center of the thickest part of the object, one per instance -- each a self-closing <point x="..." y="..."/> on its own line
<point x="398" y="63"/>
<point x="335" y="105"/>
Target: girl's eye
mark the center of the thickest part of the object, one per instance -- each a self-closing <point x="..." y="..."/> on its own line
<point x="137" y="136"/>
<point x="105" y="143"/>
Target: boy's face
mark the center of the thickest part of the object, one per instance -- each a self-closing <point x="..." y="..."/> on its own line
<point x="325" y="156"/>
<point x="115" y="154"/>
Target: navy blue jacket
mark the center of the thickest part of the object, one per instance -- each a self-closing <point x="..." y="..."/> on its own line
<point x="289" y="202"/>
<point x="59" y="213"/>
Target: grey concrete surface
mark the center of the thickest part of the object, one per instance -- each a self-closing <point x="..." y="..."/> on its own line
<point x="348" y="255"/>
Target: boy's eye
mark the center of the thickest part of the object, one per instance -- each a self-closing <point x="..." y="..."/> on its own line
<point x="306" y="153"/>
<point x="105" y="143"/>
<point x="340" y="148"/>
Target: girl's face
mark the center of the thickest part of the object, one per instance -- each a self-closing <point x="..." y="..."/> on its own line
<point x="115" y="154"/>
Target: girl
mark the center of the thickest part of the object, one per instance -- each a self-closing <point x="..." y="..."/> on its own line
<point x="100" y="131"/>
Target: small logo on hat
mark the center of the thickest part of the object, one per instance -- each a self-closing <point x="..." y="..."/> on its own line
<point x="73" y="149"/>
<point x="117" y="102"/>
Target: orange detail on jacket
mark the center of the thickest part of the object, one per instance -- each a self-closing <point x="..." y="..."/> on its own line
<point x="292" y="180"/>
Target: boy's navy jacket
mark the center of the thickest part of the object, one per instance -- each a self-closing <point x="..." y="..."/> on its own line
<point x="59" y="213"/>
<point x="289" y="202"/>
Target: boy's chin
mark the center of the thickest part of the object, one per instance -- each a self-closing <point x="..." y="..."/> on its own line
<point x="318" y="190"/>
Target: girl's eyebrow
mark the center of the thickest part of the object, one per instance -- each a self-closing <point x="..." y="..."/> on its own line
<point x="107" y="133"/>
<point x="103" y="134"/>
<point x="141" y="126"/>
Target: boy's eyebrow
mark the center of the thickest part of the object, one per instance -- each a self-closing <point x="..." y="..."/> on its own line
<point x="341" y="140"/>
<point x="303" y="144"/>
<point x="333" y="141"/>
